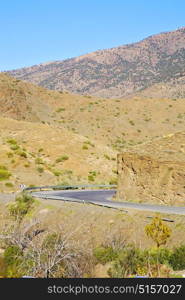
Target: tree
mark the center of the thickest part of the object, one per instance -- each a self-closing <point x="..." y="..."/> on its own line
<point x="158" y="231"/>
<point x="22" y="206"/>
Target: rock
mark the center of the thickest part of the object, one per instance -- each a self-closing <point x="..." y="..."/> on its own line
<point x="153" y="172"/>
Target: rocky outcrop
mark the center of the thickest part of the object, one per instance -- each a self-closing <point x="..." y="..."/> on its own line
<point x="154" y="173"/>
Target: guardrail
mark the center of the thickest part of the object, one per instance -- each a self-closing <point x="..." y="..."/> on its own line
<point x="67" y="187"/>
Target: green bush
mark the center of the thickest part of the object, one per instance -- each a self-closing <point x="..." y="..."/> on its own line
<point x="90" y="178"/>
<point x="12" y="255"/>
<point x="22" y="206"/>
<point x="158" y="255"/>
<point x="12" y="142"/>
<point x="9" y="184"/>
<point x="4" y="173"/>
<point x="22" y="154"/>
<point x="14" y="147"/>
<point x="40" y="169"/>
<point x="113" y="181"/>
<point x="9" y="154"/>
<point x="62" y="158"/>
<point x="60" y="109"/>
<point x="128" y="261"/>
<point x="104" y="255"/>
<point x="177" y="259"/>
<point x="107" y="156"/>
<point x="57" y="173"/>
<point x="39" y="161"/>
<point x="2" y="268"/>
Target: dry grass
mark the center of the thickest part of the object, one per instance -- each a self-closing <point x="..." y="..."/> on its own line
<point x="39" y="145"/>
<point x="98" y="225"/>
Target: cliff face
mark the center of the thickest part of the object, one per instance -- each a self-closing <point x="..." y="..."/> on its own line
<point x="153" y="177"/>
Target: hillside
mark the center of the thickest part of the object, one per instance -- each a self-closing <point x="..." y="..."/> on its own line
<point x="173" y="89"/>
<point x="40" y="154"/>
<point x="115" y="72"/>
<point x="154" y="172"/>
<point x="89" y="131"/>
<point x="110" y="122"/>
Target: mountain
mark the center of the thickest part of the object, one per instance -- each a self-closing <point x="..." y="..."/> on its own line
<point x="36" y="147"/>
<point x="109" y="122"/>
<point x="50" y="137"/>
<point x="115" y="72"/>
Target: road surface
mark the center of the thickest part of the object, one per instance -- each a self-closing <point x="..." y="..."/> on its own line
<point x="103" y="198"/>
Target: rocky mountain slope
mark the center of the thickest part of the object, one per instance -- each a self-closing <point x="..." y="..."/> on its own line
<point x="116" y="72"/>
<point x="154" y="172"/>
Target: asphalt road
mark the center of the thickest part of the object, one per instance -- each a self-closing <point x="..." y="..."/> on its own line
<point x="103" y="198"/>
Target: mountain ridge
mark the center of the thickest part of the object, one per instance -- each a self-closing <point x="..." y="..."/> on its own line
<point x="116" y="72"/>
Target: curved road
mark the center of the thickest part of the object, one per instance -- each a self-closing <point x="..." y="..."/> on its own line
<point x="103" y="198"/>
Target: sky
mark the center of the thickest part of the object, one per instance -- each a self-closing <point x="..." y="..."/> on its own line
<point x="38" y="31"/>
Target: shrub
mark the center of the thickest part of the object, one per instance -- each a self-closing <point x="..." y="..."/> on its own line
<point x="10" y="154"/>
<point x="57" y="173"/>
<point x="2" y="268"/>
<point x="22" y="154"/>
<point x="107" y="156"/>
<point x="89" y="143"/>
<point x="113" y="181"/>
<point x="85" y="147"/>
<point x="27" y="165"/>
<point x="22" y="206"/>
<point x="60" y="109"/>
<point x="40" y="169"/>
<point x="158" y="255"/>
<point x="131" y="122"/>
<point x="93" y="173"/>
<point x="177" y="259"/>
<point x="128" y="261"/>
<point x="90" y="177"/>
<point x="158" y="231"/>
<point x="4" y="173"/>
<point x="62" y="158"/>
<point x="9" y="184"/>
<point x="104" y="255"/>
<point x="13" y="257"/>
<point x="14" y="147"/>
<point x="39" y="161"/>
<point x="12" y="141"/>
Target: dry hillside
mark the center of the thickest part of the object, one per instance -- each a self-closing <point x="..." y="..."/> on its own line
<point x="115" y="72"/>
<point x="173" y="89"/>
<point x="112" y="122"/>
<point x="39" y="154"/>
<point x="52" y="137"/>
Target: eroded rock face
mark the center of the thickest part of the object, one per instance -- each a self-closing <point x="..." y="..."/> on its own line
<point x="150" y="177"/>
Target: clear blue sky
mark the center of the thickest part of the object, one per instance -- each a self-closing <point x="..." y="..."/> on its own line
<point x="35" y="31"/>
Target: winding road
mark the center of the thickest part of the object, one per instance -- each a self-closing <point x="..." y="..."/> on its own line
<point x="103" y="198"/>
